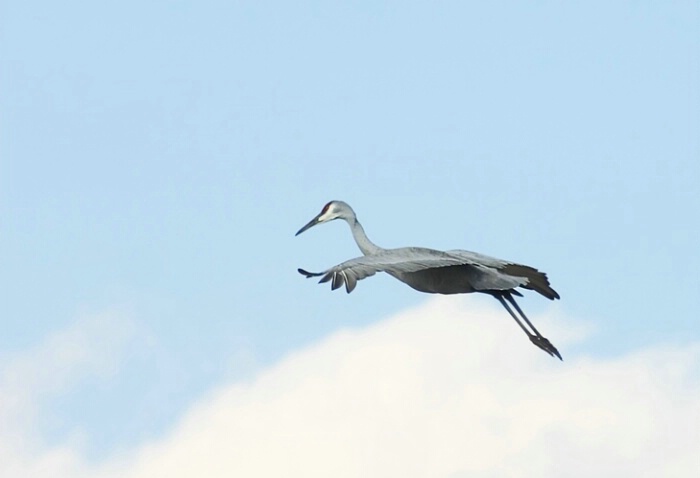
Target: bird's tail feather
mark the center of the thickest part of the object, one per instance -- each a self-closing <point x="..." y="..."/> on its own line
<point x="536" y="280"/>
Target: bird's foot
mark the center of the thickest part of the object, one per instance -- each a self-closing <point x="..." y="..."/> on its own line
<point x="545" y="345"/>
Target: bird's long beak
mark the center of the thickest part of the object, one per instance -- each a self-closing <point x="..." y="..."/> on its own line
<point x="310" y="224"/>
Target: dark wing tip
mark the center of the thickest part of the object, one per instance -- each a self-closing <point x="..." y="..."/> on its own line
<point x="350" y="283"/>
<point x="308" y="274"/>
<point x="326" y="278"/>
<point x="337" y="281"/>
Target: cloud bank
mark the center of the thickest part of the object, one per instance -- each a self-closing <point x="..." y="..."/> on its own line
<point x="443" y="390"/>
<point x="92" y="346"/>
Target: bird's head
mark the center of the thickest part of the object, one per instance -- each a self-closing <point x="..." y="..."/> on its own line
<point x="332" y="210"/>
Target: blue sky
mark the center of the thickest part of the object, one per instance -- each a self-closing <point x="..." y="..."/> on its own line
<point x="156" y="160"/>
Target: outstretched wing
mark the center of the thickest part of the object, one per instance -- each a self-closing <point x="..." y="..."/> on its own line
<point x="484" y="274"/>
<point x="406" y="259"/>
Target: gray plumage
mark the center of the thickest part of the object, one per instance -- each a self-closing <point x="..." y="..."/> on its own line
<point x="435" y="272"/>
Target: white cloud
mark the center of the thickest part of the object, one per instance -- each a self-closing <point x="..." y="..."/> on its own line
<point x="91" y="346"/>
<point x="444" y="390"/>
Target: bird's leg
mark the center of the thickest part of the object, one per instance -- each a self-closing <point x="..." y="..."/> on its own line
<point x="540" y="337"/>
<point x="537" y="339"/>
<point x="522" y="314"/>
<point x="504" y="304"/>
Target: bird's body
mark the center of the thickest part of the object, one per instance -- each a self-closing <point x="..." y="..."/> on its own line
<point x="435" y="272"/>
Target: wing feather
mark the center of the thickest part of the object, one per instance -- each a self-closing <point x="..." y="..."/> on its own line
<point x="414" y="259"/>
<point x="482" y="272"/>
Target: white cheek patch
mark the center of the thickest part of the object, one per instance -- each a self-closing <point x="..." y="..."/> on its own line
<point x="327" y="216"/>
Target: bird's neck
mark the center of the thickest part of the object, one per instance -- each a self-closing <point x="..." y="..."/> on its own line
<point x="366" y="246"/>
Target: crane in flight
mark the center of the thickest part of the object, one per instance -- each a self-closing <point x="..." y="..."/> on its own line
<point x="435" y="272"/>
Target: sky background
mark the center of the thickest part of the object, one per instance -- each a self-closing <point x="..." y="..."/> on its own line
<point x="157" y="158"/>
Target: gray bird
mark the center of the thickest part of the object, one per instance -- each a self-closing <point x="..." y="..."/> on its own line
<point x="435" y="272"/>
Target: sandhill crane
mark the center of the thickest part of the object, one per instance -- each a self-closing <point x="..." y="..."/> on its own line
<point x="435" y="272"/>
